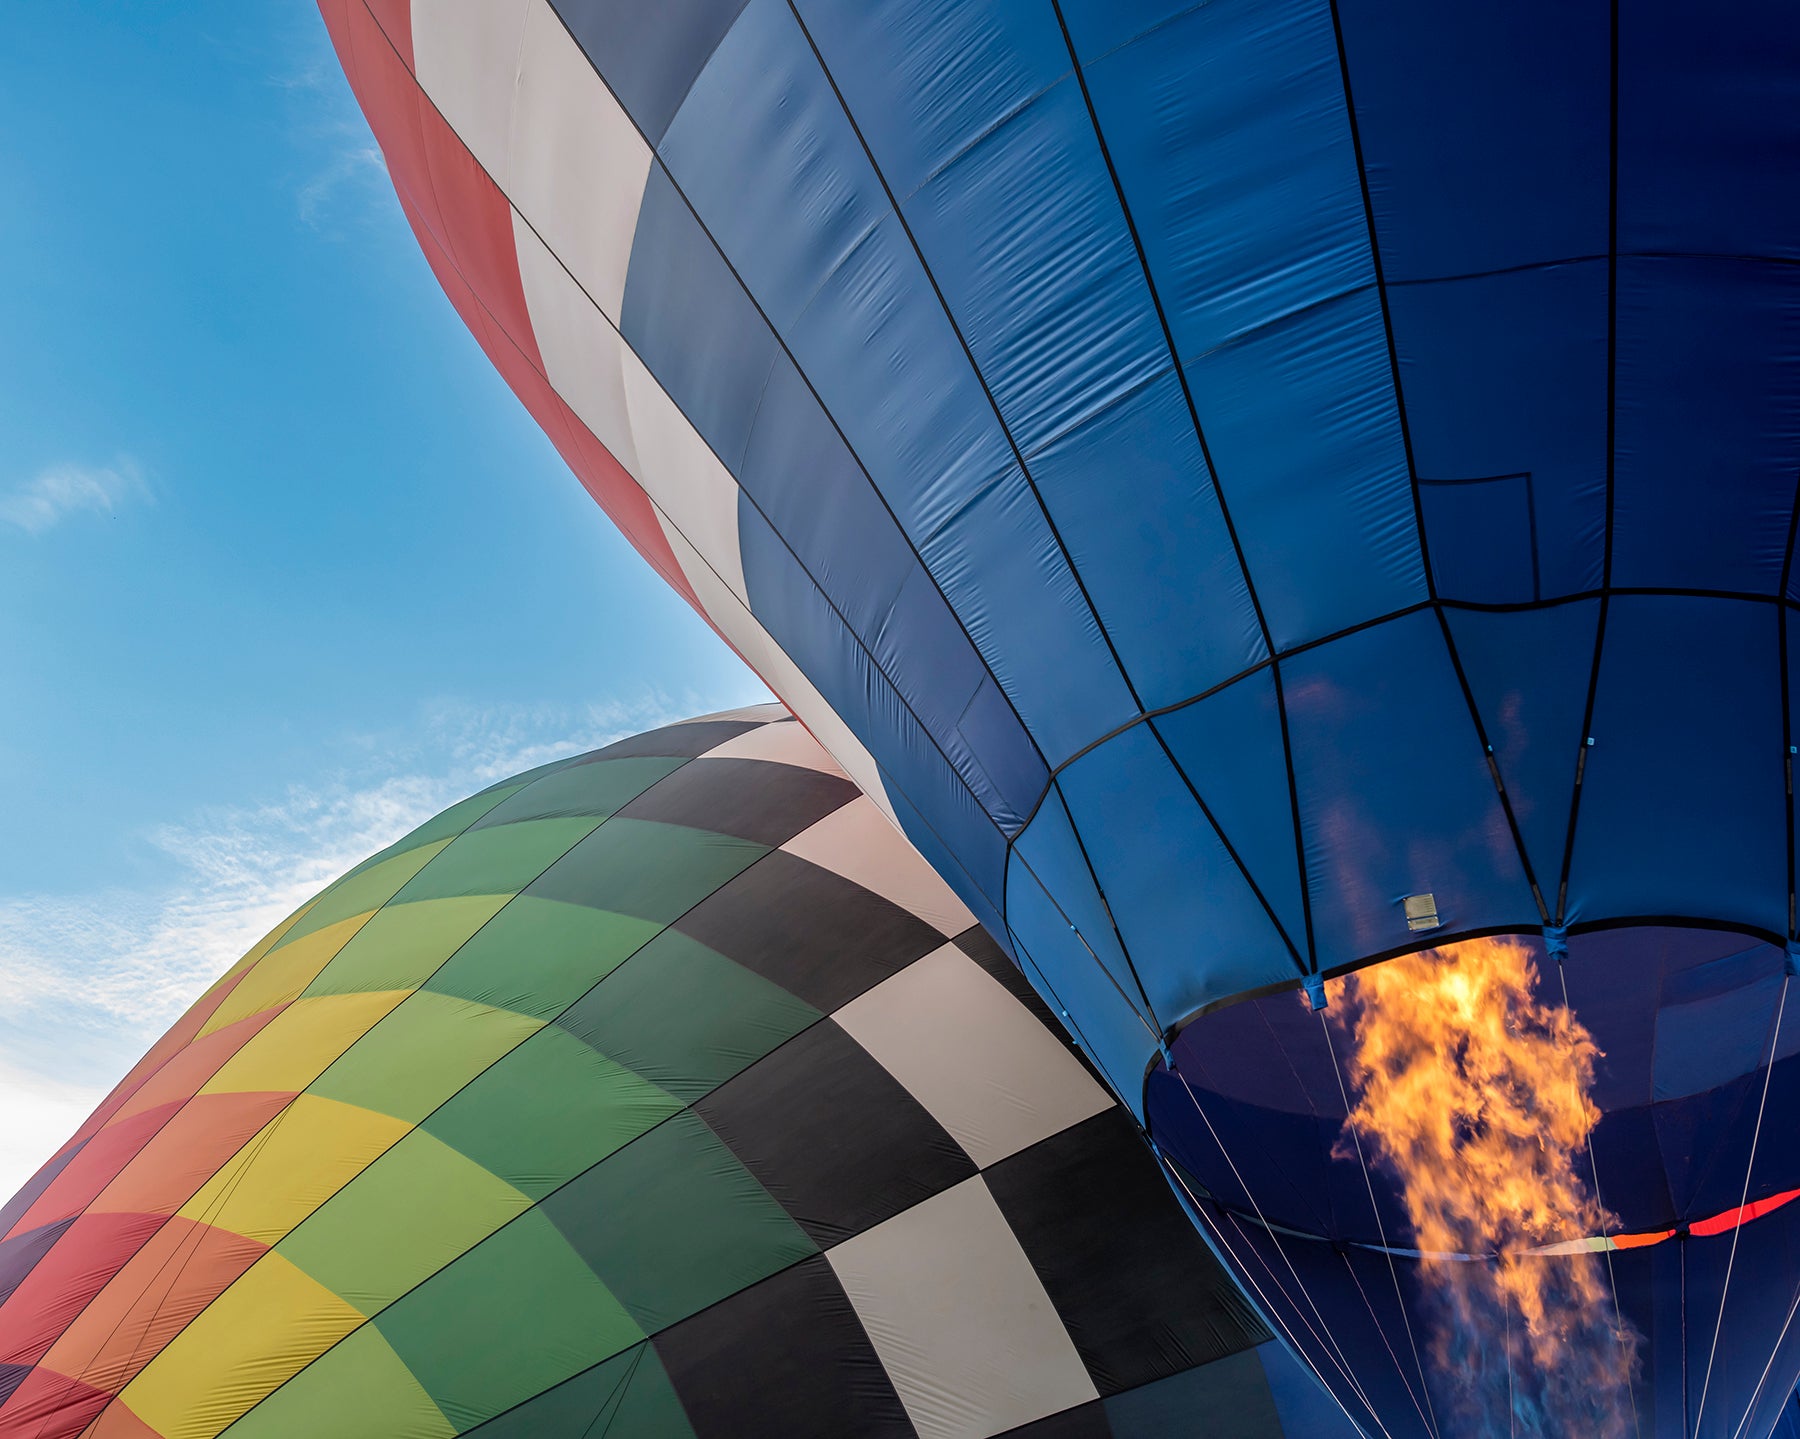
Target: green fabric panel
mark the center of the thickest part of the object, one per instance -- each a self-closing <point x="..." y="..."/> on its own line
<point x="406" y="1216"/>
<point x="685" y="1017"/>
<point x="601" y="788"/>
<point x="627" y="1397"/>
<point x="450" y="822"/>
<point x="363" y="890"/>
<point x="403" y="945"/>
<point x="538" y="956"/>
<point x="515" y="1315"/>
<point x="547" y="1111"/>
<point x="421" y="1054"/>
<point x="655" y="871"/>
<point x="496" y="861"/>
<point x="358" y="1386"/>
<point x="673" y="1223"/>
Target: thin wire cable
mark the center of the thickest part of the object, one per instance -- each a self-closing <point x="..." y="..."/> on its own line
<point x="1612" y="1281"/>
<point x="1738" y="1227"/>
<point x="1342" y="1361"/>
<point x="1756" y="1394"/>
<point x="1380" y="1228"/>
<point x="1268" y="1308"/>
<point x="1427" y="1420"/>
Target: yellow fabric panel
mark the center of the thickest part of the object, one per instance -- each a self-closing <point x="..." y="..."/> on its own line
<point x="403" y="945"/>
<point x="360" y="1390"/>
<point x="254" y="1336"/>
<point x="259" y="949"/>
<point x="292" y="1050"/>
<point x="286" y="972"/>
<point x="297" y="1161"/>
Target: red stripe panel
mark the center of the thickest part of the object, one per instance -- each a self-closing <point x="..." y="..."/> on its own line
<point x="95" y="1248"/>
<point x="189" y="1150"/>
<point x="186" y="1072"/>
<point x="95" y="1167"/>
<point x="395" y="19"/>
<point x="50" y="1406"/>
<point x="1721" y="1223"/>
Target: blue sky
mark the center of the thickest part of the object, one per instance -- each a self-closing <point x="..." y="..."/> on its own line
<point x="283" y="565"/>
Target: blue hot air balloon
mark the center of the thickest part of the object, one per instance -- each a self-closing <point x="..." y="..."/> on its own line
<point x="1251" y="489"/>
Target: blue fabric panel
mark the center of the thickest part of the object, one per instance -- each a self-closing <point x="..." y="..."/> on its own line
<point x="1709" y="122"/>
<point x="879" y="348"/>
<point x="927" y="80"/>
<point x="691" y="323"/>
<point x="988" y="857"/>
<point x="648" y="54"/>
<point x="1529" y="672"/>
<point x="1192" y="113"/>
<point x="1154" y="550"/>
<point x="1050" y="853"/>
<point x="1709" y="1041"/>
<point x="1395" y="795"/>
<point x="1767" y="1259"/>
<point x="1305" y="1408"/>
<point x="1192" y="923"/>
<point x="1061" y="969"/>
<point x="1097" y="26"/>
<point x="1683" y="810"/>
<point x="763" y="151"/>
<point x="805" y="480"/>
<point x="1306" y="438"/>
<point x="1229" y="746"/>
<point x="1505" y="375"/>
<point x="1484" y="130"/>
<point x="1708" y="424"/>
<point x="931" y="768"/>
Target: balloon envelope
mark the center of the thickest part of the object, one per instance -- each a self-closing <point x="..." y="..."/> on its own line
<point x="661" y="1092"/>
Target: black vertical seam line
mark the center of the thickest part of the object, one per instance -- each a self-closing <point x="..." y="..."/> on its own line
<point x="1111" y="919"/>
<point x="1612" y="451"/>
<point x="1412" y="468"/>
<point x="1230" y="849"/>
<point x="969" y="354"/>
<point x="737" y="483"/>
<point x="1787" y="716"/>
<point x="1218" y="488"/>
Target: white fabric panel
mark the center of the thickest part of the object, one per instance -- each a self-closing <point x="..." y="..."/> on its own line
<point x="959" y="1318"/>
<point x="861" y="843"/>
<point x="779" y="672"/>
<point x="768" y="713"/>
<point x="972" y="1055"/>
<point x="467" y="58"/>
<point x="679" y="471"/>
<point x="584" y="358"/>
<point x="577" y="164"/>
<point x="787" y="743"/>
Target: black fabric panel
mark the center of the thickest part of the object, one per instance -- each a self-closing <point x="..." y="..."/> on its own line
<point x="649" y="54"/>
<point x="1227" y="1399"/>
<point x="676" y="741"/>
<point x="1087" y="1422"/>
<point x="20" y="1254"/>
<point x="786" y="1359"/>
<point x="1137" y="1288"/>
<point x="979" y="945"/>
<point x="750" y="798"/>
<point x="833" y="1136"/>
<point x="815" y="934"/>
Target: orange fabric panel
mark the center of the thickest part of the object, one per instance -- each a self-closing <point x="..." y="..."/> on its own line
<point x="188" y="1151"/>
<point x="116" y="1421"/>
<point x="182" y="1268"/>
<point x="95" y="1167"/>
<point x="183" y="1075"/>
<point x="47" y="1300"/>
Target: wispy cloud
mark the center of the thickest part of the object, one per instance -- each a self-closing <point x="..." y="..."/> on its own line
<point x="88" y="981"/>
<point x="346" y="173"/>
<point x="52" y="495"/>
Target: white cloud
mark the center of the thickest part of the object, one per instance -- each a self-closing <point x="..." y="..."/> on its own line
<point x="88" y="981"/>
<point x="62" y="490"/>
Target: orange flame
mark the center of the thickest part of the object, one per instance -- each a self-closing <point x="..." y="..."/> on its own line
<point x="1477" y="1096"/>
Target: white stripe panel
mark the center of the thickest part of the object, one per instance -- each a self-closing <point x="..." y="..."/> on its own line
<point x="861" y="843"/>
<point x="769" y="713"/>
<point x="466" y="53"/>
<point x="960" y="1319"/>
<point x="577" y="163"/>
<point x="779" y="672"/>
<point x="784" y="743"/>
<point x="972" y="1055"/>
<point x="584" y="358"/>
